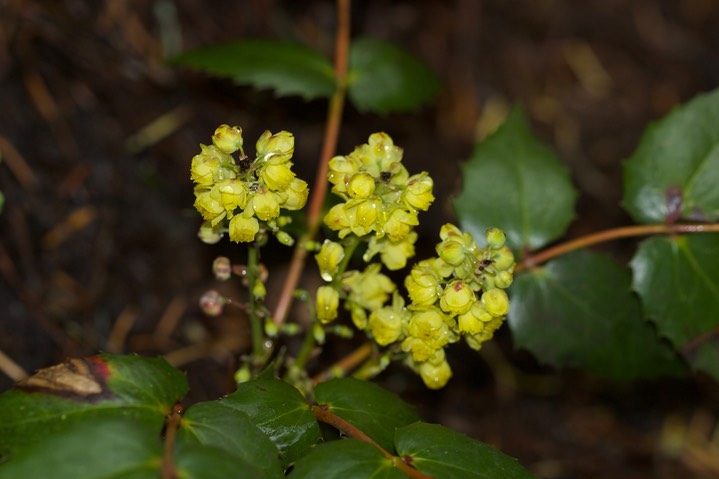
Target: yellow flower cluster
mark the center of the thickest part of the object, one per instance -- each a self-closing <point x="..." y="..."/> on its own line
<point x="243" y="196"/>
<point x="380" y="198"/>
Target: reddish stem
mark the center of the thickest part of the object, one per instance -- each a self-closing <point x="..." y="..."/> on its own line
<point x="332" y="128"/>
<point x="171" y="425"/>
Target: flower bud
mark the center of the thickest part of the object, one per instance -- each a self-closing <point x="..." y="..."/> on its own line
<point x="318" y="332"/>
<point x="451" y="251"/>
<point x="233" y="194"/>
<point x="503" y="279"/>
<point x="266" y="204"/>
<point x="399" y="224"/>
<point x="503" y="258"/>
<point x="385" y="324"/>
<point x="328" y="259"/>
<point x="328" y="300"/>
<point x="472" y="322"/>
<point x="258" y="290"/>
<point x="209" y="234"/>
<point x="418" y="194"/>
<point x="277" y="177"/>
<point x="435" y="377"/>
<point x="457" y="298"/>
<point x="228" y="138"/>
<point x="496" y="302"/>
<point x="276" y="148"/>
<point x="212" y="303"/>
<point x="495" y="238"/>
<point x="243" y="230"/>
<point x="243" y="375"/>
<point x="361" y="185"/>
<point x="284" y="238"/>
<point x="297" y="192"/>
<point x="208" y="204"/>
<point x="271" y="329"/>
<point x="222" y="268"/>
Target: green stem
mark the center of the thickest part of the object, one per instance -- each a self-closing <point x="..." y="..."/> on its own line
<point x="253" y="269"/>
<point x="319" y="191"/>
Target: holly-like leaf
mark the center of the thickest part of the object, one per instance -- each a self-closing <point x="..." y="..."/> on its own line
<point x="102" y="448"/>
<point x="81" y="390"/>
<point x="678" y="281"/>
<point x="515" y="183"/>
<point x="345" y="459"/>
<point x="214" y="424"/>
<point x="674" y="172"/>
<point x="373" y="410"/>
<point x="383" y="78"/>
<point x="207" y="462"/>
<point x="287" y="68"/>
<point x="441" y="452"/>
<point x="578" y="311"/>
<point x="281" y="412"/>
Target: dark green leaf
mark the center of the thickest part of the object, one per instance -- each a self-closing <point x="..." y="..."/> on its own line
<point x="287" y="68"/>
<point x="515" y="183"/>
<point x="678" y="281"/>
<point x="373" y="410"/>
<point x="144" y="388"/>
<point x="448" y="454"/>
<point x="345" y="459"/>
<point x="206" y="462"/>
<point x="281" y="412"/>
<point x="578" y="311"/>
<point x="215" y="424"/>
<point x="674" y="172"/>
<point x="106" y="448"/>
<point x="383" y="78"/>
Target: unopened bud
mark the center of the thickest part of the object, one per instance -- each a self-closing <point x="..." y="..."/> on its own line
<point x="222" y="268"/>
<point x="243" y="375"/>
<point x="212" y="303"/>
<point x="285" y="238"/>
<point x="228" y="138"/>
<point x="271" y="329"/>
<point x="495" y="238"/>
<point x="259" y="290"/>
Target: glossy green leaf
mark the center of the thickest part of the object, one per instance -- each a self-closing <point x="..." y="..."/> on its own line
<point x="215" y="424"/>
<point x="443" y="453"/>
<point x="207" y="462"/>
<point x="127" y="386"/>
<point x="515" y="183"/>
<point x="281" y="412"/>
<point x="674" y="172"/>
<point x="287" y="68"/>
<point x="383" y="78"/>
<point x="345" y="459"/>
<point x="103" y="448"/>
<point x="375" y="411"/>
<point x="578" y="311"/>
<point x="678" y="281"/>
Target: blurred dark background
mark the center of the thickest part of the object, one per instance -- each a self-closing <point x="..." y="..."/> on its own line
<point x="98" y="247"/>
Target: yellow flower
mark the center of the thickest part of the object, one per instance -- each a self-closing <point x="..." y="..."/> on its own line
<point x="363" y="214"/>
<point x="208" y="204"/>
<point x="496" y="302"/>
<point x="277" y="177"/>
<point x="370" y="288"/>
<point x="297" y="192"/>
<point x="475" y="341"/>
<point x="435" y="372"/>
<point x="209" y="234"/>
<point x="457" y="298"/>
<point x="277" y="148"/>
<point x="473" y="321"/>
<point x="427" y="332"/>
<point x="328" y="300"/>
<point x="243" y="230"/>
<point x="338" y="220"/>
<point x="394" y="255"/>
<point x="495" y="238"/>
<point x="204" y="169"/>
<point x="341" y="169"/>
<point x="418" y="194"/>
<point x="328" y="259"/>
<point x="422" y="284"/>
<point x="265" y="204"/>
<point x="228" y="138"/>
<point x="233" y="194"/>
<point x="386" y="323"/>
<point x="399" y="224"/>
<point x="361" y="185"/>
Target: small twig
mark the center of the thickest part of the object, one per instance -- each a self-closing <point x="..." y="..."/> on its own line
<point x="18" y="165"/>
<point x="120" y="329"/>
<point x="11" y="369"/>
<point x="345" y="364"/>
<point x="532" y="260"/>
<point x="173" y="422"/>
<point x="319" y="190"/>
<point x="324" y="415"/>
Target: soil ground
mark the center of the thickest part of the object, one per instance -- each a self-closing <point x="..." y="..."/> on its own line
<point x="98" y="247"/>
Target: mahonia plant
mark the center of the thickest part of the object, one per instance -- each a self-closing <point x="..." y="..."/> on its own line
<point x="459" y="294"/>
